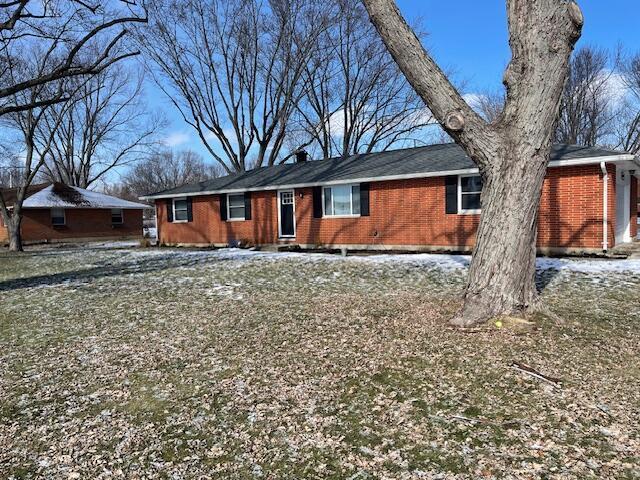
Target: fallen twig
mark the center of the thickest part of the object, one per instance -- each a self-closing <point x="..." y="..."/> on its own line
<point x="521" y="367"/>
<point x="604" y="409"/>
<point x="467" y="419"/>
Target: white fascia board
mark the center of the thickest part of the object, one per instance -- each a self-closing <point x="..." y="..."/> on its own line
<point x="80" y="207"/>
<point x="408" y="176"/>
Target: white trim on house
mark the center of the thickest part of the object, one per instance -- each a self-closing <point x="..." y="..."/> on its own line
<point x="244" y="208"/>
<point x="622" y="232"/>
<point x="173" y="209"/>
<point x="470" y="211"/>
<point x="350" y="215"/>
<point x="293" y="193"/>
<point x="383" y="178"/>
<point x="605" y="206"/>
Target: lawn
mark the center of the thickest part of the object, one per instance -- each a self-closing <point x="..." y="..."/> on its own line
<point x="162" y="363"/>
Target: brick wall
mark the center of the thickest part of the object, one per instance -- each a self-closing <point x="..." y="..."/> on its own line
<point x="571" y="207"/>
<point x="4" y="237"/>
<point x="207" y="227"/>
<point x="80" y="223"/>
<point x="406" y="212"/>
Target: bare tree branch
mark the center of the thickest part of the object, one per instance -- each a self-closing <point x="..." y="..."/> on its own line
<point x="61" y="47"/>
<point x="234" y="69"/>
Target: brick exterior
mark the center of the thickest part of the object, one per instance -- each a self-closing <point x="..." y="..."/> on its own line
<point x="406" y="213"/>
<point x="81" y="223"/>
<point x="3" y="232"/>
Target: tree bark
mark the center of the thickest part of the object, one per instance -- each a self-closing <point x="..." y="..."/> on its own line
<point x="15" y="233"/>
<point x="511" y="152"/>
<point x="502" y="272"/>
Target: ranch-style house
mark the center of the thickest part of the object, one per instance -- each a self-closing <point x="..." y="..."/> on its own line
<point x="421" y="199"/>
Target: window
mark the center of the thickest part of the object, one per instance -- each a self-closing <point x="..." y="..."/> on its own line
<point x="286" y="198"/>
<point x="235" y="207"/>
<point x="469" y="188"/>
<point x="342" y="200"/>
<point x="116" y="216"/>
<point x="57" y="216"/>
<point x="180" y="210"/>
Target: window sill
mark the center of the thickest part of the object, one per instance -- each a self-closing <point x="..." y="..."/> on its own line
<point x="235" y="220"/>
<point x="180" y="221"/>
<point x="342" y="216"/>
<point x="469" y="212"/>
<point x="61" y="227"/>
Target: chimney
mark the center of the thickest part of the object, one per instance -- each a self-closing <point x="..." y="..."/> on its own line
<point x="301" y="156"/>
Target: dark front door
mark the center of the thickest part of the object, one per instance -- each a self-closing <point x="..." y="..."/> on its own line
<point x="287" y="221"/>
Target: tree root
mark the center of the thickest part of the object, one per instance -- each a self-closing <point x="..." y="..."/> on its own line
<point x="469" y="317"/>
<point x="539" y="307"/>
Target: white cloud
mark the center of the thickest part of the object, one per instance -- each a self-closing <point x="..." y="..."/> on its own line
<point x="616" y="87"/>
<point x="474" y="100"/>
<point x="176" y="138"/>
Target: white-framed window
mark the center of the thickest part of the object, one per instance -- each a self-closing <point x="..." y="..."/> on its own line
<point x="180" y="210"/>
<point x="286" y="198"/>
<point x="117" y="216"/>
<point x="235" y="206"/>
<point x="57" y="217"/>
<point x="341" y="201"/>
<point x="469" y="188"/>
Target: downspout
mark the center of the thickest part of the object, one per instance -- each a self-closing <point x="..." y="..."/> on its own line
<point x="605" y="205"/>
<point x="155" y="211"/>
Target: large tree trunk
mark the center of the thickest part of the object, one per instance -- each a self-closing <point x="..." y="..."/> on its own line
<point x="512" y="152"/>
<point x="15" y="233"/>
<point x="502" y="272"/>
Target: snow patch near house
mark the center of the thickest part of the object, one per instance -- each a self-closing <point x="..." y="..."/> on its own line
<point x="447" y="262"/>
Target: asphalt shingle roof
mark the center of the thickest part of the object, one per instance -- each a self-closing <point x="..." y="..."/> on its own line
<point x="447" y="157"/>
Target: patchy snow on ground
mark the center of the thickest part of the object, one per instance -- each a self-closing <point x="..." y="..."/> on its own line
<point x="150" y="232"/>
<point x="121" y="362"/>
<point x="443" y="261"/>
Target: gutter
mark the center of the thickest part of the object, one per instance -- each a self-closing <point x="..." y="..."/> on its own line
<point x="605" y="205"/>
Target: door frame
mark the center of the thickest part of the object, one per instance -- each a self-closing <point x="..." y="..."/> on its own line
<point x="293" y="195"/>
<point x="622" y="232"/>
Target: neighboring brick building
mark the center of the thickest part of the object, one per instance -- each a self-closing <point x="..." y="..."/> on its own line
<point x="56" y="212"/>
<point x="425" y="198"/>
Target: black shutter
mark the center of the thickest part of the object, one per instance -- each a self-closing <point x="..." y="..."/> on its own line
<point x="364" y="199"/>
<point x="189" y="209"/>
<point x="451" y="194"/>
<point x="223" y="207"/>
<point x="317" y="202"/>
<point x="247" y="205"/>
<point x="169" y="210"/>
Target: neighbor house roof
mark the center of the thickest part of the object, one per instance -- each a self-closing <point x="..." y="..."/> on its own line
<point x="428" y="161"/>
<point x="10" y="194"/>
<point x="65" y="196"/>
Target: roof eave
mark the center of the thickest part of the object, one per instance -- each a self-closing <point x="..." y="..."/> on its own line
<point x="383" y="178"/>
<point x="89" y="207"/>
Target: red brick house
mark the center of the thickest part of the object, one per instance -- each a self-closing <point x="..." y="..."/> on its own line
<point x="425" y="198"/>
<point x="53" y="212"/>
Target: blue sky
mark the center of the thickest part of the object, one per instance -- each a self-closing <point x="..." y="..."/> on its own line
<point x="468" y="37"/>
<point x="471" y="36"/>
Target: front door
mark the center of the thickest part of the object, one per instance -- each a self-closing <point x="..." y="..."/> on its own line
<point x="286" y="209"/>
<point x="623" y="206"/>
